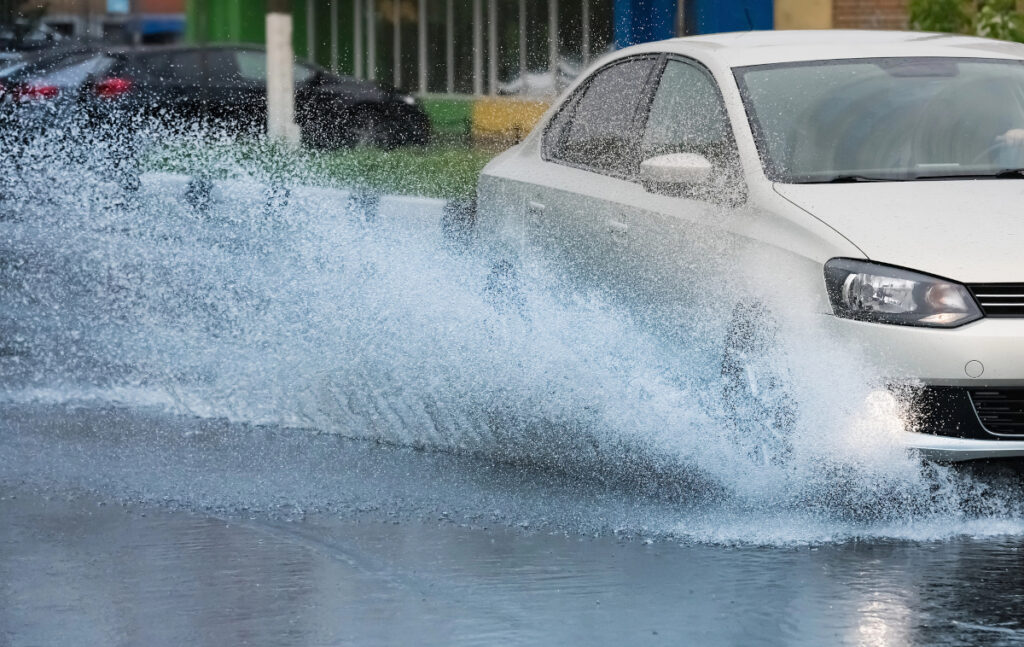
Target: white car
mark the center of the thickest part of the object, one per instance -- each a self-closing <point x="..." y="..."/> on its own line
<point x="871" y="177"/>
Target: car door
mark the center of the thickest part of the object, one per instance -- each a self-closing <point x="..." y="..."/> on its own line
<point x="681" y="252"/>
<point x="574" y="207"/>
<point x="238" y="88"/>
<point x="177" y="84"/>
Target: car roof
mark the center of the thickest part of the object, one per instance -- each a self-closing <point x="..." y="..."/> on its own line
<point x="740" y="49"/>
<point x="43" y="61"/>
<point x="144" y="50"/>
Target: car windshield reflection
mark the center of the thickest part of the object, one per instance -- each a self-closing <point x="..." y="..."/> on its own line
<point x="886" y="119"/>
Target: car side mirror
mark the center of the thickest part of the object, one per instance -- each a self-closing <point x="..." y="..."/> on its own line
<point x="675" y="170"/>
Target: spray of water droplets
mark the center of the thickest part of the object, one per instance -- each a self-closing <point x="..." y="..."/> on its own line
<point x="263" y="297"/>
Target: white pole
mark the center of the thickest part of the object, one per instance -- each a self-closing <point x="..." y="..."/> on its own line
<point x="553" y="39"/>
<point x="522" y="41"/>
<point x="280" y="82"/>
<point x="371" y="40"/>
<point x="310" y="31"/>
<point x="492" y="47"/>
<point x="357" y="39"/>
<point x="334" y="35"/>
<point x="396" y="49"/>
<point x="421" y="55"/>
<point x="585" y="31"/>
<point x="449" y="53"/>
<point x="478" y="44"/>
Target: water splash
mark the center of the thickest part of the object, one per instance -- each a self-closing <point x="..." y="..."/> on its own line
<point x="275" y="301"/>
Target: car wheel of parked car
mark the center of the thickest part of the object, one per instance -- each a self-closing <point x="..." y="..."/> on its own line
<point x="755" y="385"/>
<point x="367" y="128"/>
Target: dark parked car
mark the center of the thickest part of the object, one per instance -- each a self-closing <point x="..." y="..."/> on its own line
<point x="221" y="86"/>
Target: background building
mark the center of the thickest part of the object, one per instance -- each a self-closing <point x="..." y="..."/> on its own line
<point x="149" y="21"/>
<point x="464" y="56"/>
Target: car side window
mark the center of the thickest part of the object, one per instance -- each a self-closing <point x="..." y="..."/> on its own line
<point x="187" y="68"/>
<point x="597" y="129"/>
<point x="558" y="127"/>
<point x="252" y="66"/>
<point x="302" y="73"/>
<point x="151" y="68"/>
<point x="687" y="115"/>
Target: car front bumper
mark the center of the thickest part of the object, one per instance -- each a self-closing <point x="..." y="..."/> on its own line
<point x="948" y="449"/>
<point x="963" y="387"/>
<point x="941" y="356"/>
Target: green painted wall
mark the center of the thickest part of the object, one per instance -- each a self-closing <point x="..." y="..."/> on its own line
<point x="243" y="21"/>
<point x="225" y="21"/>
<point x="346" y="34"/>
<point x="299" y="28"/>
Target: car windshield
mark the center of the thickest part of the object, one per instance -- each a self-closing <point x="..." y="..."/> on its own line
<point x="887" y="119"/>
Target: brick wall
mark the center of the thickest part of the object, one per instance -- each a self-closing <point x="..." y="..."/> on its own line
<point x="869" y="14"/>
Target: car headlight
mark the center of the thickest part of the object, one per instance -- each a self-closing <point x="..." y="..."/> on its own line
<point x="407" y="99"/>
<point x="880" y="293"/>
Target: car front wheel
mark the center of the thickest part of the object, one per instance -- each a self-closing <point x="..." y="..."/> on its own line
<point x="755" y="384"/>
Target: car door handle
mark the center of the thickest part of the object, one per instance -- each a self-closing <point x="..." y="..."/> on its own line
<point x="616" y="227"/>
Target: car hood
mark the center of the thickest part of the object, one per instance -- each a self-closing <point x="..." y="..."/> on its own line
<point x="966" y="230"/>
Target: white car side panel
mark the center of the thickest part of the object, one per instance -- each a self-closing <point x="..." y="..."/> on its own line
<point x="768" y="230"/>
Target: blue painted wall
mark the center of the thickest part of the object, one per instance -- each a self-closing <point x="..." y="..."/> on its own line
<point x="642" y="21"/>
<point x="715" y="16"/>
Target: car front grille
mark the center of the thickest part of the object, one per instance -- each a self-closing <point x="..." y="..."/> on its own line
<point x="1000" y="299"/>
<point x="1001" y="411"/>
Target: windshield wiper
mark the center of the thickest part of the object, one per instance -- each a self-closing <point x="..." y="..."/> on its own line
<point x="847" y="179"/>
<point x="1005" y="174"/>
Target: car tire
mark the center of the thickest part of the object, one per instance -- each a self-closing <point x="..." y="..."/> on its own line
<point x="366" y="128"/>
<point x="755" y="384"/>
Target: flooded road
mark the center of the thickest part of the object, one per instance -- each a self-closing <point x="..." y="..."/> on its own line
<point x="308" y="423"/>
<point x="135" y="527"/>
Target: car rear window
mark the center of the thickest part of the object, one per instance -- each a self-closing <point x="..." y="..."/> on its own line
<point x="190" y="67"/>
<point x="182" y="67"/>
<point x="73" y="72"/>
<point x="252" y="66"/>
